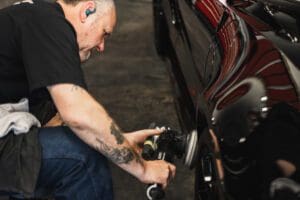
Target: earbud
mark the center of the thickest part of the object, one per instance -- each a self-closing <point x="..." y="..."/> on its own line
<point x="89" y="12"/>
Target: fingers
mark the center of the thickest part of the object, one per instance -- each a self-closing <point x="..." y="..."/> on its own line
<point x="172" y="169"/>
<point x="169" y="175"/>
<point x="166" y="177"/>
<point x="150" y="132"/>
<point x="142" y="135"/>
<point x="158" y="171"/>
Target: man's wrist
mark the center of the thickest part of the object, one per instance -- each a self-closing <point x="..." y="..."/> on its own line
<point x="140" y="169"/>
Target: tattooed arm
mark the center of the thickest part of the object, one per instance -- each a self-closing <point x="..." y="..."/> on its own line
<point x="92" y="124"/>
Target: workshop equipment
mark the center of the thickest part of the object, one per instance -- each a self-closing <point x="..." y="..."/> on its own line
<point x="167" y="146"/>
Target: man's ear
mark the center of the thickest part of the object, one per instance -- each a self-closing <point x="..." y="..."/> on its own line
<point x="87" y="8"/>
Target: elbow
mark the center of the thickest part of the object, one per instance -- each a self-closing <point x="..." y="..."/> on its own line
<point x="74" y="120"/>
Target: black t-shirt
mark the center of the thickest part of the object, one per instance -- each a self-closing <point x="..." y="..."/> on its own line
<point x="38" y="48"/>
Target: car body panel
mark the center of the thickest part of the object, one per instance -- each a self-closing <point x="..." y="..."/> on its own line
<point x="235" y="67"/>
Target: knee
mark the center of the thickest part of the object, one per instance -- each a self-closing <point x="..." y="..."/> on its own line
<point x="62" y="145"/>
<point x="97" y="169"/>
<point x="61" y="142"/>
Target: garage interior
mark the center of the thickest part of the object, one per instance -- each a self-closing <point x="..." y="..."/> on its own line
<point x="132" y="83"/>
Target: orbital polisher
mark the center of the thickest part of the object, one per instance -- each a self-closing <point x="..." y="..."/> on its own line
<point x="167" y="146"/>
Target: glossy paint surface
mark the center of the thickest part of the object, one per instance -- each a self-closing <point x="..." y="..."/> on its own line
<point x="235" y="67"/>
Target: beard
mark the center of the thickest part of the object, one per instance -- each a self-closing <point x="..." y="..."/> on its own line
<point x="84" y="55"/>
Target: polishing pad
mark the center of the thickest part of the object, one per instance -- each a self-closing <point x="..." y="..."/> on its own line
<point x="191" y="150"/>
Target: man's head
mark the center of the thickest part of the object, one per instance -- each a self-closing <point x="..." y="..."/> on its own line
<point x="93" y="21"/>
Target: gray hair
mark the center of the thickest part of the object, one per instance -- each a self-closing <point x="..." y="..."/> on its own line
<point x="102" y="5"/>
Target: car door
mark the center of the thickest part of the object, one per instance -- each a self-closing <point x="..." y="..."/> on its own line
<point x="196" y="48"/>
<point x="170" y="14"/>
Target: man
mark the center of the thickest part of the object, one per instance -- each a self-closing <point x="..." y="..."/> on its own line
<point x="41" y="47"/>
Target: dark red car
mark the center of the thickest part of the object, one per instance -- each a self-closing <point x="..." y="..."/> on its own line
<point x="231" y="63"/>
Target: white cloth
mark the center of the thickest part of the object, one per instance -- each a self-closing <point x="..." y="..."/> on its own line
<point x="16" y="117"/>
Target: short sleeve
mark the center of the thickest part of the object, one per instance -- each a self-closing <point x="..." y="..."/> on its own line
<point x="50" y="53"/>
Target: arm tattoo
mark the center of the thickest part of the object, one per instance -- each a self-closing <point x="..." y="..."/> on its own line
<point x="118" y="156"/>
<point x="137" y="157"/>
<point x="117" y="133"/>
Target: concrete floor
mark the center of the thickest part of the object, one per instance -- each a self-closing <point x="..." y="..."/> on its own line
<point x="131" y="81"/>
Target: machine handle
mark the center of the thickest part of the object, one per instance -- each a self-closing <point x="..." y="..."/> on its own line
<point x="155" y="192"/>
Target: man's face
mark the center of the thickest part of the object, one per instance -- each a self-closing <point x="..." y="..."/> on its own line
<point x="94" y="33"/>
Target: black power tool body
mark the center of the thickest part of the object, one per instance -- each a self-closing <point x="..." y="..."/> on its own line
<point x="167" y="146"/>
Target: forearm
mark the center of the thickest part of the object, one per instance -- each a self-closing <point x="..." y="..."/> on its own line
<point x="105" y="136"/>
<point x="90" y="122"/>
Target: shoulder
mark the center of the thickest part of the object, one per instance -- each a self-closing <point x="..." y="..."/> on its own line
<point x="38" y="15"/>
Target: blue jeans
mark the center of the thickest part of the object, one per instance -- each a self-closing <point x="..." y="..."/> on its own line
<point x="70" y="169"/>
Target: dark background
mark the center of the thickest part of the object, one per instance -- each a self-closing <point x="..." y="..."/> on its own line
<point x="132" y="83"/>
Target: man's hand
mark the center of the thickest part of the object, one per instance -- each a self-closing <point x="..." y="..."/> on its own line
<point x="136" y="139"/>
<point x="158" y="171"/>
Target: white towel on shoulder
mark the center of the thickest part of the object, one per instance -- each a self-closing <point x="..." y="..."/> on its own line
<point x="16" y="117"/>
